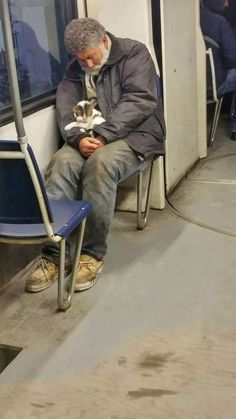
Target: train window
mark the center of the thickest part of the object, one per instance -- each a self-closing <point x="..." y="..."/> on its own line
<point x="38" y="37"/>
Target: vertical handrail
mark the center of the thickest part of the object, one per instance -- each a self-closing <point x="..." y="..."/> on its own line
<point x="12" y="73"/>
<point x="38" y="191"/>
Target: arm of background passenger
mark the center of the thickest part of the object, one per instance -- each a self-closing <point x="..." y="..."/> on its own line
<point x="139" y="96"/>
<point x="228" y="44"/>
<point x="66" y="99"/>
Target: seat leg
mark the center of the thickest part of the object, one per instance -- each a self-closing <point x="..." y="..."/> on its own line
<point x="66" y="288"/>
<point x="142" y="216"/>
<point x="232" y="109"/>
<point x="215" y="121"/>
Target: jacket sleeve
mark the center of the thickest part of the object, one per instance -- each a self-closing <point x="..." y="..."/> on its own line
<point x="228" y="44"/>
<point x="138" y="99"/>
<point x="66" y="98"/>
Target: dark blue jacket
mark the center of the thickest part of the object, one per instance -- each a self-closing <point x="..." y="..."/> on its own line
<point x="126" y="95"/>
<point x="220" y="37"/>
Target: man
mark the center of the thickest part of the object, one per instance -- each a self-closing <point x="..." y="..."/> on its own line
<point x="219" y="36"/>
<point x="121" y="75"/>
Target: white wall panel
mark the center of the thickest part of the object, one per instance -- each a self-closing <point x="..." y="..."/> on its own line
<point x="42" y="132"/>
<point x="125" y="18"/>
<point x="81" y="6"/>
<point x="181" y="86"/>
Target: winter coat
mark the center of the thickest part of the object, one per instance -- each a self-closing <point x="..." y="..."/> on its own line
<point x="127" y="97"/>
<point x="219" y="36"/>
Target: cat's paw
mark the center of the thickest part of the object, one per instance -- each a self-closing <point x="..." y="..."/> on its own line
<point x="71" y="125"/>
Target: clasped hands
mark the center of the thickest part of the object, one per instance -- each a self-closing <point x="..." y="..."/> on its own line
<point x="88" y="145"/>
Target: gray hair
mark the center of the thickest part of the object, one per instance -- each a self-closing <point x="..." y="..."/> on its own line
<point x="83" y="33"/>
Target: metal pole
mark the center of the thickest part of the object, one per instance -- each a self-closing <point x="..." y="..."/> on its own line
<point x="12" y="73"/>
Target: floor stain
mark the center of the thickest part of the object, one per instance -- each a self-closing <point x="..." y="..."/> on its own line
<point x="41" y="406"/>
<point x="149" y="392"/>
<point x="122" y="360"/>
<point x="153" y="360"/>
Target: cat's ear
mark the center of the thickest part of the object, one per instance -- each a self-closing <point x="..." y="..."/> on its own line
<point x="93" y="101"/>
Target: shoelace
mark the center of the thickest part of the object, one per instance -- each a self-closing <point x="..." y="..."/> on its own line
<point x="44" y="264"/>
<point x="88" y="265"/>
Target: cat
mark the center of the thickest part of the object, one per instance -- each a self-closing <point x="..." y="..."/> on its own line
<point x="86" y="116"/>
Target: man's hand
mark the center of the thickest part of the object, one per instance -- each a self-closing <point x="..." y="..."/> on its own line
<point x="88" y="145"/>
<point x="102" y="140"/>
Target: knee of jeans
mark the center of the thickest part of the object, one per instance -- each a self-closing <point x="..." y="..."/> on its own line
<point x="100" y="163"/>
<point x="64" y="164"/>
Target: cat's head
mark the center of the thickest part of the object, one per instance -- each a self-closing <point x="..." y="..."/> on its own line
<point x="84" y="110"/>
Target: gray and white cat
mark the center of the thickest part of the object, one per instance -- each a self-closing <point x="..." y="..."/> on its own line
<point x="86" y="116"/>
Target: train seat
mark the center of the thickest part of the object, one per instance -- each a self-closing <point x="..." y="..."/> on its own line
<point x="212" y="96"/>
<point x="144" y="185"/>
<point x="27" y="216"/>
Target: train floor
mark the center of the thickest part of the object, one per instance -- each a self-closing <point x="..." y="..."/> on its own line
<point x="156" y="337"/>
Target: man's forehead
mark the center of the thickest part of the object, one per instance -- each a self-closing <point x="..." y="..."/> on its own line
<point x="85" y="53"/>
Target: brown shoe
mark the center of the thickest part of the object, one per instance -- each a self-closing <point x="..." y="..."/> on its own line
<point x="89" y="269"/>
<point x="43" y="277"/>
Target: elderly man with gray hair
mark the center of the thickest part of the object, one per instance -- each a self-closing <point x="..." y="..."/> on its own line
<point x="121" y="75"/>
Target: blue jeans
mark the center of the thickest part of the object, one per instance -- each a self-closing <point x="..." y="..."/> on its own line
<point x="71" y="176"/>
<point x="228" y="86"/>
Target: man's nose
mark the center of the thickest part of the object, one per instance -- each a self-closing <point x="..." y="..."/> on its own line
<point x="89" y="63"/>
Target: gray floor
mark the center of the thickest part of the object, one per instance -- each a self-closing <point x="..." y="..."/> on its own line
<point x="156" y="337"/>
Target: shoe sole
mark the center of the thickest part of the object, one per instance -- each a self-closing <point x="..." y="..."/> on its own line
<point x="88" y="284"/>
<point x="35" y="288"/>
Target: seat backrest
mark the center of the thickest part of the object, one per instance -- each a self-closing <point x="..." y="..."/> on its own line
<point x="19" y="203"/>
<point x="211" y="77"/>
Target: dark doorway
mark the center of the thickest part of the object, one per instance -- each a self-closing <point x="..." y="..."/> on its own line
<point x="156" y="25"/>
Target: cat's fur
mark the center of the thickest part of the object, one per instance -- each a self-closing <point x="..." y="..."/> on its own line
<point x="86" y="116"/>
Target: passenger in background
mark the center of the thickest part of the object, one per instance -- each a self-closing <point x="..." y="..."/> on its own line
<point x="219" y="36"/>
<point x="38" y="71"/>
<point x="230" y="13"/>
<point x="121" y="75"/>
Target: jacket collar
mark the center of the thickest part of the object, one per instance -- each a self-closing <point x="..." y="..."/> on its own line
<point x="73" y="71"/>
<point x="116" y="52"/>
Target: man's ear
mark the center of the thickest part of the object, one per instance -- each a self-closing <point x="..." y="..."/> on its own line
<point x="105" y="41"/>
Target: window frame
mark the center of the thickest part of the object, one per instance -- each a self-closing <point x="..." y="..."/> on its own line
<point x="46" y="99"/>
<point x="29" y="106"/>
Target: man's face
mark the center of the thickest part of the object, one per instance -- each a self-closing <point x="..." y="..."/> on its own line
<point x="92" y="59"/>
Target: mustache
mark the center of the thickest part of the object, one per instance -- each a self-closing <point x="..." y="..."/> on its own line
<point x="91" y="71"/>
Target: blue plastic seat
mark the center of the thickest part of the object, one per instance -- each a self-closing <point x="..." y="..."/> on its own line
<point x="27" y="215"/>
